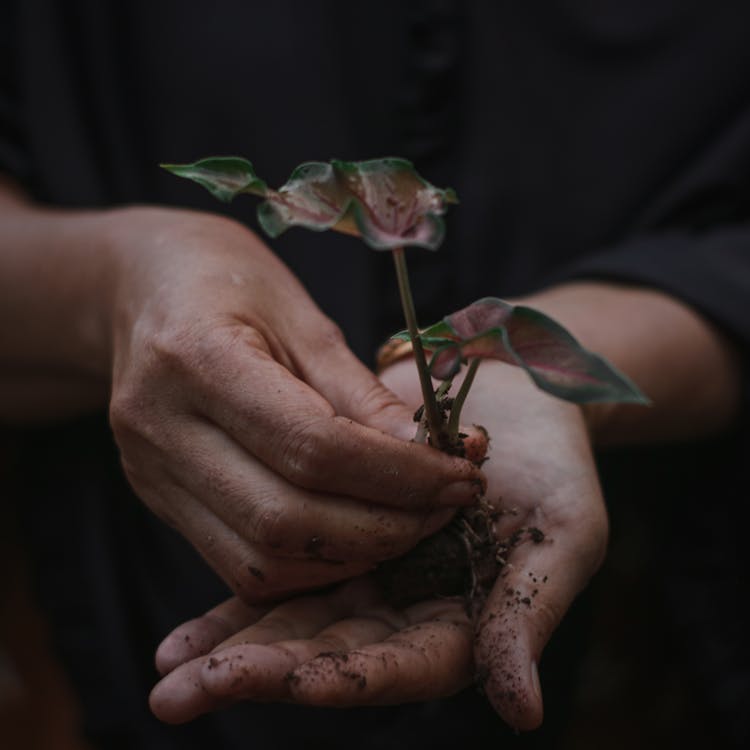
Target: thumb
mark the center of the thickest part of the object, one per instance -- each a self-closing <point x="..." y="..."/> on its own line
<point x="523" y="610"/>
<point x="328" y="365"/>
<point x="357" y="393"/>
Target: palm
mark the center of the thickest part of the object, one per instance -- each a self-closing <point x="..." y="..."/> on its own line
<point x="349" y="647"/>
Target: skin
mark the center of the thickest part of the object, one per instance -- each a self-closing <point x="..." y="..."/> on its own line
<point x="540" y="472"/>
<point x="241" y="416"/>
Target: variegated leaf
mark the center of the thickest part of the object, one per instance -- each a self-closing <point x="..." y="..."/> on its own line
<point x="392" y="205"/>
<point x="223" y="176"/>
<point x="313" y="198"/>
<point x="556" y="362"/>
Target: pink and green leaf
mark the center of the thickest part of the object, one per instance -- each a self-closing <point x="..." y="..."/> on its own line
<point x="392" y="205"/>
<point x="224" y="177"/>
<point x="313" y="197"/>
<point x="385" y="201"/>
<point x="518" y="335"/>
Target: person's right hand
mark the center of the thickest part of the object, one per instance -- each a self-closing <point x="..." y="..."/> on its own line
<point x="245" y="421"/>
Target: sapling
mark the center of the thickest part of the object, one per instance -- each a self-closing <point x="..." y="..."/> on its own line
<point x="388" y="205"/>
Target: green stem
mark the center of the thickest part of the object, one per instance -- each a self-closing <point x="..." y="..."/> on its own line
<point x="431" y="412"/>
<point x="458" y="401"/>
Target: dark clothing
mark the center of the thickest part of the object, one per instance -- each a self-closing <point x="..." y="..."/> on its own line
<point x="585" y="139"/>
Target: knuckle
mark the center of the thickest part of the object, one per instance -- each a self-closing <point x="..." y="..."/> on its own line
<point x="329" y="335"/>
<point x="137" y="417"/>
<point x="142" y="388"/>
<point x="254" y="584"/>
<point x="309" y="454"/>
<point x="251" y="338"/>
<point x="248" y="589"/>
<point x="197" y="352"/>
<point x="124" y="412"/>
<point x="377" y="405"/>
<point x="267" y="526"/>
<point x="132" y="412"/>
<point x="186" y="360"/>
<point x="181" y="350"/>
<point x="247" y="578"/>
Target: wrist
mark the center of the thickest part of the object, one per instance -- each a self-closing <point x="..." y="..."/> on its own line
<point x="56" y="278"/>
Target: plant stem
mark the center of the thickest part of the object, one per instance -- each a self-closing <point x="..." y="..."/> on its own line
<point x="431" y="412"/>
<point x="458" y="401"/>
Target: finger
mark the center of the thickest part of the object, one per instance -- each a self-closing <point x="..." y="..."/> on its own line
<point x="295" y="431"/>
<point x="252" y="574"/>
<point x="356" y="392"/>
<point x="428" y="659"/>
<point x="243" y="666"/>
<point x="353" y="390"/>
<point x="301" y="618"/>
<point x="524" y="608"/>
<point x="197" y="637"/>
<point x="423" y="662"/>
<point x="285" y="520"/>
<point x="424" y="652"/>
<point x="263" y="671"/>
<point x="180" y="697"/>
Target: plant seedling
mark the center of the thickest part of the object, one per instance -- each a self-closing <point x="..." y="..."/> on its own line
<point x="389" y="206"/>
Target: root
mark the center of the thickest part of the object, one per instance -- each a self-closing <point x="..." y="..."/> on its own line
<point x="465" y="558"/>
<point x="462" y="560"/>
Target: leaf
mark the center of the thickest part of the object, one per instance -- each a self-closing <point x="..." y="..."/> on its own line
<point x="483" y="315"/>
<point x="432" y="337"/>
<point x="556" y="362"/>
<point x="392" y="205"/>
<point x="313" y="198"/>
<point x="223" y="176"/>
<point x="446" y="359"/>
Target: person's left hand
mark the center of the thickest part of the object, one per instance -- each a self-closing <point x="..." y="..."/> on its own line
<point x="342" y="648"/>
<point x="348" y="647"/>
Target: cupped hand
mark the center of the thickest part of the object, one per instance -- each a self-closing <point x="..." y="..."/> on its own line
<point x="245" y="421"/>
<point x="350" y="648"/>
<point x="347" y="647"/>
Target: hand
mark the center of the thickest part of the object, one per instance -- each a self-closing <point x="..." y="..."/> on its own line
<point x="245" y="421"/>
<point x="344" y="648"/>
<point x="540" y="474"/>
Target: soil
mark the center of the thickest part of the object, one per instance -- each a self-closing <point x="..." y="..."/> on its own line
<point x="463" y="559"/>
<point x="338" y="661"/>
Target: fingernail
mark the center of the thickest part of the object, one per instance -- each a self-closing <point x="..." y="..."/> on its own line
<point x="465" y="492"/>
<point x="535" y="684"/>
<point x="477" y="444"/>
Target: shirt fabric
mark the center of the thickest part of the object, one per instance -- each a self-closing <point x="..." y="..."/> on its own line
<point x="585" y="140"/>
